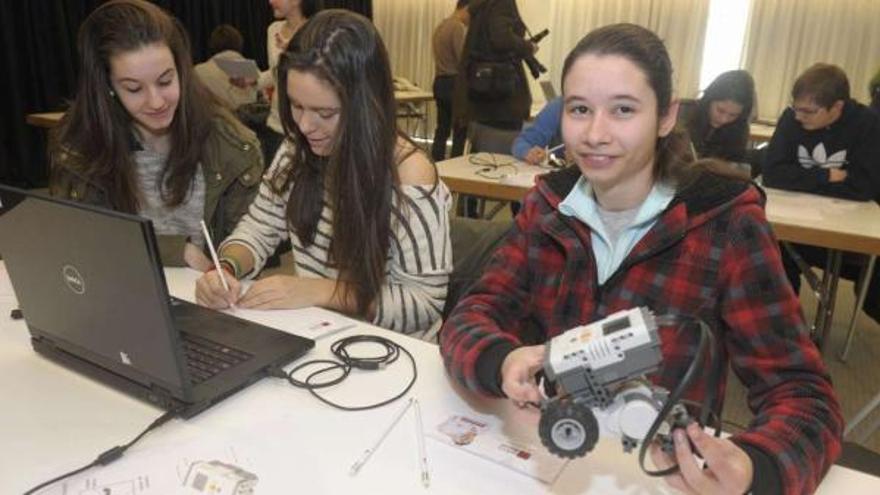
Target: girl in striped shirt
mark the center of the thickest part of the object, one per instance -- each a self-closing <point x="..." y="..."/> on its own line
<point x="363" y="207"/>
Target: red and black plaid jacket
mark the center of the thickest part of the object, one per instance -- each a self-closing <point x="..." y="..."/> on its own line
<point x="710" y="255"/>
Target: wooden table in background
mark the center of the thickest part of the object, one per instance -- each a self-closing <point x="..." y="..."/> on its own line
<point x="760" y="133"/>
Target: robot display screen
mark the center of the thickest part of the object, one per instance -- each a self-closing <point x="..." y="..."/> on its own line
<point x="616" y="325"/>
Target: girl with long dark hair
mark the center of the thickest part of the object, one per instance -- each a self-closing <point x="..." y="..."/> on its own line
<point x="143" y="135"/>
<point x="718" y="122"/>
<point x="363" y="207"/>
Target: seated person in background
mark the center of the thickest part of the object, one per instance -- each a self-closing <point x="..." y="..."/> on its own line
<point x="632" y="225"/>
<point x="718" y="122"/>
<point x="362" y="205"/>
<point x="143" y="135"/>
<point x="532" y="143"/>
<point x="827" y="144"/>
<point x="225" y="43"/>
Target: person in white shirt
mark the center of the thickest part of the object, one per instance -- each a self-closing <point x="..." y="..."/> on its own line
<point x="291" y="15"/>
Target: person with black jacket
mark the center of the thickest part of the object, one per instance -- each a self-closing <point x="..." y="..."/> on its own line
<point x="874" y="89"/>
<point x="492" y="88"/>
<point x="828" y="144"/>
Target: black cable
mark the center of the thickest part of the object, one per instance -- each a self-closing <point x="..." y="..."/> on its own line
<point x="707" y="340"/>
<point x="110" y="455"/>
<point x="491" y="160"/>
<point x="347" y="362"/>
<point x="491" y="167"/>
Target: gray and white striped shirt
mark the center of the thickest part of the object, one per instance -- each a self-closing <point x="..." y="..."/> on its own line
<point x="419" y="258"/>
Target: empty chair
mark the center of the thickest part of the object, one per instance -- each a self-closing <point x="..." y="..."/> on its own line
<point x="484" y="138"/>
<point x="488" y="139"/>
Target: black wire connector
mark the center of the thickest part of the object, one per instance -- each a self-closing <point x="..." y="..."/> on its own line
<point x="346" y="362"/>
<point x="110" y="455"/>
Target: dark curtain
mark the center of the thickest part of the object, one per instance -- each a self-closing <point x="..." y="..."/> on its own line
<point x="364" y="7"/>
<point x="38" y="51"/>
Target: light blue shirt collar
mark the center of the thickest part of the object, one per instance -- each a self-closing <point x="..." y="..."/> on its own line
<point x="581" y="204"/>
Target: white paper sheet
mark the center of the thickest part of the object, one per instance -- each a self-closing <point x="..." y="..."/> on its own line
<point x="191" y="468"/>
<point x="482" y="437"/>
<point x="5" y="284"/>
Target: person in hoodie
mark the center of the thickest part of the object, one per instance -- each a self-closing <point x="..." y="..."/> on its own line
<point x="637" y="223"/>
<point x="826" y="143"/>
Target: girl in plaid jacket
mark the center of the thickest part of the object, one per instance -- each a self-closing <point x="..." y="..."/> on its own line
<point x="638" y="223"/>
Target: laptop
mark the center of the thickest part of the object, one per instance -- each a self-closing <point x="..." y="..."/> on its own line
<point x="92" y="290"/>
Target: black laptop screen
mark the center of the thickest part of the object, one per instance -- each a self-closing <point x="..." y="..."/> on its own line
<point x="85" y="279"/>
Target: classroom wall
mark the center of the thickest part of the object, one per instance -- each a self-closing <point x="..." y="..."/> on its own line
<point x="783" y="38"/>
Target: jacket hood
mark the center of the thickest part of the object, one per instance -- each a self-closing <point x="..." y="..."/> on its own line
<point x="704" y="198"/>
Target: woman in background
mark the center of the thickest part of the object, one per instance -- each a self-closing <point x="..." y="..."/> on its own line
<point x="144" y="136"/>
<point x="291" y="15"/>
<point x="718" y="122"/>
<point x="363" y="207"/>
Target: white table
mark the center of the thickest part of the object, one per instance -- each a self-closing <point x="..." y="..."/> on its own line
<point x="489" y="175"/>
<point x="412" y="105"/>
<point x="760" y="133"/>
<point x="837" y="224"/>
<point x="54" y="420"/>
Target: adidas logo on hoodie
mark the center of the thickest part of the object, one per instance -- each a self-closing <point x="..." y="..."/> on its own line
<point x="819" y="157"/>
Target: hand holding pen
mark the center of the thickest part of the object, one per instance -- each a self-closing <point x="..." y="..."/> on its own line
<point x="216" y="289"/>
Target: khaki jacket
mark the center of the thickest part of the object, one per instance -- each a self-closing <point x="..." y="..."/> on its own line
<point x="232" y="166"/>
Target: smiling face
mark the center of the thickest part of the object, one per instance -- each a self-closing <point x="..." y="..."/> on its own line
<point x="146" y="83"/>
<point x="610" y="127"/>
<point x="723" y="112"/>
<point x="316" y="109"/>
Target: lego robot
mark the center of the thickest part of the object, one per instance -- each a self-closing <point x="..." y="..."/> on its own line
<point x="598" y="372"/>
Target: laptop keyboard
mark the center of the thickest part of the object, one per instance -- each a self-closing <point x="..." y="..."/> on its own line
<point x="205" y="358"/>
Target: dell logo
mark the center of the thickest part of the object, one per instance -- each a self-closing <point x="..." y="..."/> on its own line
<point x="73" y="279"/>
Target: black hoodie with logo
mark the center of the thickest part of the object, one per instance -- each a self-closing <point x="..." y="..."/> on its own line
<point x="799" y="160"/>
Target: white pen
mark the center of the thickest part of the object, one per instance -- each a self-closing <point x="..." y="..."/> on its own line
<point x="213" y="251"/>
<point x="420" y="438"/>
<point x="369" y="452"/>
<point x="555" y="148"/>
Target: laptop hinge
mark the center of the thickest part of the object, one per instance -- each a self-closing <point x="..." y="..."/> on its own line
<point x="161" y="396"/>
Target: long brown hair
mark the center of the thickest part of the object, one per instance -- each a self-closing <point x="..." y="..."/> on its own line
<point x="95" y="135"/>
<point x="360" y="175"/>
<point x="673" y="158"/>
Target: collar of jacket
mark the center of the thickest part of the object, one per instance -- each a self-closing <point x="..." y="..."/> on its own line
<point x="703" y="199"/>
